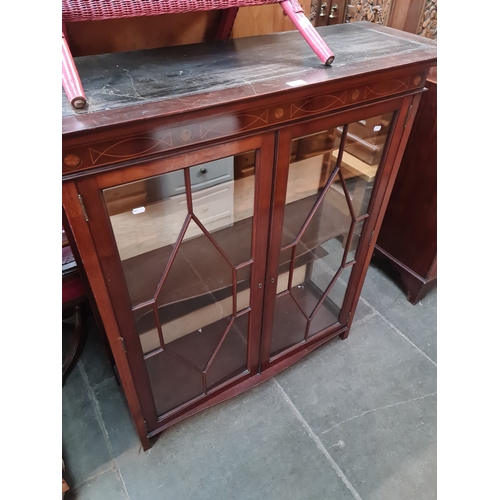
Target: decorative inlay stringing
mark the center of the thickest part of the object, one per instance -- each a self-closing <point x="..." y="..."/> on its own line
<point x="169" y="137"/>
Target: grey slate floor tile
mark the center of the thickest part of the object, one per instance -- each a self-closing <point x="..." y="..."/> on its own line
<point x="117" y="420"/>
<point x="389" y="453"/>
<point x="94" y="357"/>
<point x="250" y="447"/>
<point x="383" y="291"/>
<point x="104" y="487"/>
<point x="373" y="367"/>
<point x="85" y="451"/>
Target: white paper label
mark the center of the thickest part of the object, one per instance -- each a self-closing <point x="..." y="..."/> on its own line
<point x="138" y="210"/>
<point x="296" y="83"/>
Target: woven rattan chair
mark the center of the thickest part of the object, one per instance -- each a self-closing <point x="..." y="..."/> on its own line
<point x="96" y="10"/>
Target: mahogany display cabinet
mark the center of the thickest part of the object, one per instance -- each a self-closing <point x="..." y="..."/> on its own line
<point x="225" y="199"/>
<point x="408" y="235"/>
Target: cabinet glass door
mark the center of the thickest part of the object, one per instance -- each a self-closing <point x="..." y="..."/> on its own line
<point x="185" y="245"/>
<point x="330" y="179"/>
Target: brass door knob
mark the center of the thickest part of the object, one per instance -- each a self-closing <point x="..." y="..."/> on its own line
<point x="323" y="7"/>
<point x="333" y="12"/>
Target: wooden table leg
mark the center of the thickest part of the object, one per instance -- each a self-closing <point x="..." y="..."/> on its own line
<point x="76" y="342"/>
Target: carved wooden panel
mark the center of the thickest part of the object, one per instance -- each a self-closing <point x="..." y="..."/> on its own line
<point x="375" y="11"/>
<point x="313" y="11"/>
<point x="428" y="21"/>
<point x="327" y="12"/>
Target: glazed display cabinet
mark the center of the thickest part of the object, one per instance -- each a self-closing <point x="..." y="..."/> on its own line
<point x="225" y="200"/>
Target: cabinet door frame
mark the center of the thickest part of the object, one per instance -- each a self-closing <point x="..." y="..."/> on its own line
<point x="387" y="170"/>
<point x="98" y="245"/>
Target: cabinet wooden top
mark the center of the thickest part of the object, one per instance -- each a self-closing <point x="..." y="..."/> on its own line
<point x="132" y="86"/>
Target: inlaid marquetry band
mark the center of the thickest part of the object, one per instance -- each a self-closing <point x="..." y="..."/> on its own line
<point x="170" y="137"/>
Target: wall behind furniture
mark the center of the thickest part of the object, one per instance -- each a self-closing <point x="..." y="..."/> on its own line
<point x="264" y="19"/>
<point x="120" y="35"/>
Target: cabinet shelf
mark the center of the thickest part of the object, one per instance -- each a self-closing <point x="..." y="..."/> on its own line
<point x="150" y="265"/>
<point x="190" y="305"/>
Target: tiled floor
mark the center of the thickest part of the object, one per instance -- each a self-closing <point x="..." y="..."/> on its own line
<point x="354" y="419"/>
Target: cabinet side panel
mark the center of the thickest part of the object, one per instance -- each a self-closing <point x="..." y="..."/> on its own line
<point x="409" y="228"/>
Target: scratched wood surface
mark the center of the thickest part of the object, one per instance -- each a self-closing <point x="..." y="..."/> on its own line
<point x="197" y="76"/>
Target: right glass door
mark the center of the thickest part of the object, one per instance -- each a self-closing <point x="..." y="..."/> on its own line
<point x="330" y="179"/>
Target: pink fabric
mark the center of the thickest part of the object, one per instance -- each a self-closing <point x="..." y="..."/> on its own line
<point x="96" y="10"/>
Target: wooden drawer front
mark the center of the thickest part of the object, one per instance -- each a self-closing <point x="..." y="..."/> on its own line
<point x="364" y="129"/>
<point x="366" y="138"/>
<point x="202" y="176"/>
<point x="160" y="224"/>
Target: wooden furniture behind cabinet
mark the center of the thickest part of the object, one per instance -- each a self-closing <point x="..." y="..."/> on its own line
<point x="223" y="214"/>
<point x="413" y="16"/>
<point x="327" y="12"/>
<point x="408" y="237"/>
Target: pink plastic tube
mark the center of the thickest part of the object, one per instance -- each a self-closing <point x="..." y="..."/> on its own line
<point x="70" y="79"/>
<point x="294" y="11"/>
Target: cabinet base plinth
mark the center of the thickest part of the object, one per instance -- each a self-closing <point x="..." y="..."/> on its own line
<point x="415" y="287"/>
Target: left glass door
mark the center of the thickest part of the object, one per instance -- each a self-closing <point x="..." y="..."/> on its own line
<point x="186" y="241"/>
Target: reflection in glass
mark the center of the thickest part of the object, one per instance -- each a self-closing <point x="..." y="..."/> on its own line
<point x="330" y="181"/>
<point x="184" y="240"/>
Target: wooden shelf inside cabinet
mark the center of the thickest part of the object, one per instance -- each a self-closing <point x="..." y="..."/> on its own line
<point x="179" y="303"/>
<point x="186" y="317"/>
<point x="198" y="184"/>
<point x="357" y="167"/>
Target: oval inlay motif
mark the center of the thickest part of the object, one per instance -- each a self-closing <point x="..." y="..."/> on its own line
<point x="72" y="160"/>
<point x="355" y="94"/>
<point x="279" y="113"/>
<point x="417" y="80"/>
<point x="186" y="134"/>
